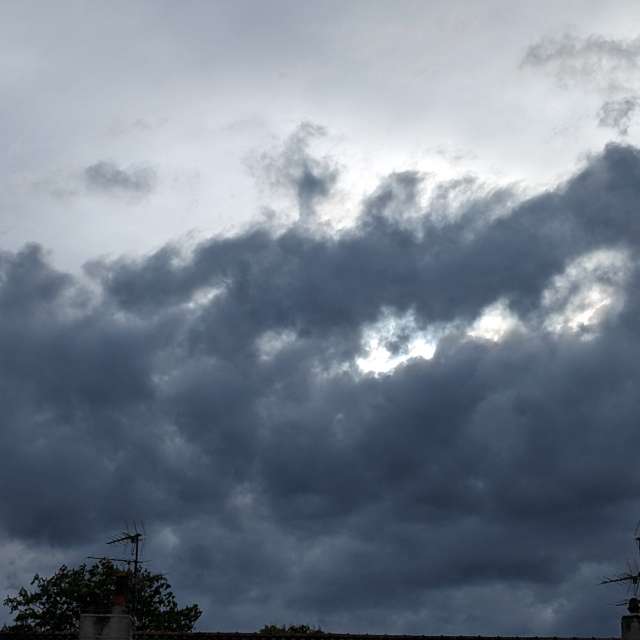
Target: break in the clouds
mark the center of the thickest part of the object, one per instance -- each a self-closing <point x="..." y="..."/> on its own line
<point x="232" y="394"/>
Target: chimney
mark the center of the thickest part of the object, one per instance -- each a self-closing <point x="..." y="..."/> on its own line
<point x="116" y="625"/>
<point x="630" y="624"/>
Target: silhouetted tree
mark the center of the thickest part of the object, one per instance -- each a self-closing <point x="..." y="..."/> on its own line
<point x="55" y="603"/>
<point x="301" y="629"/>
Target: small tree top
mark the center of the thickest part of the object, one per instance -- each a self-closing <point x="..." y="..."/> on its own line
<point x="294" y="629"/>
<point x="54" y="604"/>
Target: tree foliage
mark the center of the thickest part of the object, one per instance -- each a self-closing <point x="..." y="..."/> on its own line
<point x="297" y="629"/>
<point x="55" y="603"/>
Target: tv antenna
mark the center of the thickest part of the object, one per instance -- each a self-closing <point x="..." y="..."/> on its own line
<point x="133" y="537"/>
<point x="631" y="577"/>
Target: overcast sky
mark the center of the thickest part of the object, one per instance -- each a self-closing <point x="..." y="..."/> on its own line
<point x="340" y="298"/>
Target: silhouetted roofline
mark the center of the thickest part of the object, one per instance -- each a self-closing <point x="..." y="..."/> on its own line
<point x="223" y="635"/>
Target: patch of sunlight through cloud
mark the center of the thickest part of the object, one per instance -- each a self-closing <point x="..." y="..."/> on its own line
<point x="392" y="341"/>
<point x="395" y="339"/>
<point x="587" y="292"/>
<point x="495" y="322"/>
<point x="203" y="297"/>
<point x="576" y="301"/>
<point x="270" y="343"/>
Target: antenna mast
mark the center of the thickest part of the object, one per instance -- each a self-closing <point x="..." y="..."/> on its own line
<point x="632" y="578"/>
<point x="134" y="539"/>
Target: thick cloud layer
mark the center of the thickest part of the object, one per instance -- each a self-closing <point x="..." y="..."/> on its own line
<point x="214" y="393"/>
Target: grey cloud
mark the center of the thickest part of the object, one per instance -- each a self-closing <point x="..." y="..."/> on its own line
<point x="312" y="285"/>
<point x="607" y="65"/>
<point x="618" y="114"/>
<point x="594" y="58"/>
<point x="294" y="168"/>
<point x="109" y="178"/>
<point x="290" y="487"/>
<point x="136" y="126"/>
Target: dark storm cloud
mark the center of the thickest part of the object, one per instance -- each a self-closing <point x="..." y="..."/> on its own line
<point x="213" y="393"/>
<point x="109" y="178"/>
<point x="618" y="114"/>
<point x="298" y="282"/>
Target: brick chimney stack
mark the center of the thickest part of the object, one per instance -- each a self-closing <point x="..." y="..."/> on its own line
<point x="116" y="625"/>
<point x="630" y="623"/>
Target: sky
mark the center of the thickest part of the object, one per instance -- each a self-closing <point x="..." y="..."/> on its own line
<point x="341" y="299"/>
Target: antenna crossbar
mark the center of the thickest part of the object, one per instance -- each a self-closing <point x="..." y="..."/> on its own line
<point x="135" y="540"/>
<point x="127" y="560"/>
